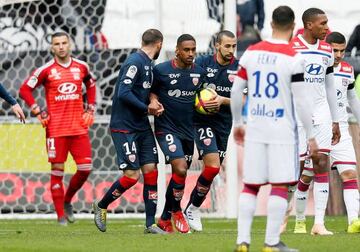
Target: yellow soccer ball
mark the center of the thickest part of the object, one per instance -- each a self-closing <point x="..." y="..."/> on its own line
<point x="204" y="95"/>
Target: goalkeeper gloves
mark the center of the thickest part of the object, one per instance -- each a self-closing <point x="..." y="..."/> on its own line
<point x="88" y="116"/>
<point x="41" y="114"/>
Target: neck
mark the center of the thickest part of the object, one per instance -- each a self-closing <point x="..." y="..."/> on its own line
<point x="149" y="51"/>
<point x="180" y="64"/>
<point x="64" y="60"/>
<point x="282" y="35"/>
<point x="308" y="37"/>
<point x="220" y="59"/>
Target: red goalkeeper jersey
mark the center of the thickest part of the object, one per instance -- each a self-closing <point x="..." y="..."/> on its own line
<point x="63" y="90"/>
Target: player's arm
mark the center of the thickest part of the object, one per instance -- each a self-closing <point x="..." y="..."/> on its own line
<point x="126" y="83"/>
<point x="26" y="89"/>
<point x="88" y="115"/>
<point x="14" y="105"/>
<point x="354" y="101"/>
<point x="236" y="104"/>
<point x="332" y="101"/>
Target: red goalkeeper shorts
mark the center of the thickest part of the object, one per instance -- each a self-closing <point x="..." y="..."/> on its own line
<point x="79" y="147"/>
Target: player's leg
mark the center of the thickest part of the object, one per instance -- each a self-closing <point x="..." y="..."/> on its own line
<point x="80" y="149"/>
<point x="177" y="154"/>
<point x="57" y="149"/>
<point x="301" y="196"/>
<point x="206" y="142"/>
<point x="292" y="188"/>
<point x="323" y="134"/>
<point x="254" y="175"/>
<point x="148" y="156"/>
<point x="343" y="158"/>
<point x="128" y="160"/>
<point x="283" y="170"/>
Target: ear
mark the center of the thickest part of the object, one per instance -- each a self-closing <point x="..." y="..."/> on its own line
<point x="176" y="51"/>
<point x="217" y="45"/>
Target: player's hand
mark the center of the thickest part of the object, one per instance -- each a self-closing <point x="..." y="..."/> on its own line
<point x="88" y="116"/>
<point x="239" y="134"/>
<point x="214" y="104"/>
<point x="18" y="112"/>
<point x="41" y="114"/>
<point x="155" y="108"/>
<point x="336" y="133"/>
<point x="313" y="148"/>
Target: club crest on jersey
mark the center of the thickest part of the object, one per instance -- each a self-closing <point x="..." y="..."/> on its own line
<point x="132" y="158"/>
<point x="195" y="81"/>
<point x="131" y="72"/>
<point x="54" y="74"/>
<point x="146" y="85"/>
<point x="207" y="141"/>
<point x="172" y="147"/>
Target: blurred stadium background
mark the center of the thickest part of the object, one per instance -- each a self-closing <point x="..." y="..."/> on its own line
<point x="104" y="33"/>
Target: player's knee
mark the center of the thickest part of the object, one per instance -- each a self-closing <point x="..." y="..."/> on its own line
<point x="180" y="171"/>
<point x="212" y="159"/>
<point x="348" y="174"/>
<point x="133" y="174"/>
<point x="305" y="178"/>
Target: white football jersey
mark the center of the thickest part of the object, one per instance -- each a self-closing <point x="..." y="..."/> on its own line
<point x="344" y="81"/>
<point x="318" y="58"/>
<point x="268" y="67"/>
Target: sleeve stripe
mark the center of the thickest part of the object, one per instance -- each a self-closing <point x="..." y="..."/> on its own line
<point x="299" y="77"/>
<point x="242" y="73"/>
<point x="329" y="70"/>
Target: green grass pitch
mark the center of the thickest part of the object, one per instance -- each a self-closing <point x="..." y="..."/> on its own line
<point x="127" y="235"/>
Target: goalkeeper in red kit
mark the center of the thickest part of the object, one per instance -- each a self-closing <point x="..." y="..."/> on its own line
<point x="64" y="118"/>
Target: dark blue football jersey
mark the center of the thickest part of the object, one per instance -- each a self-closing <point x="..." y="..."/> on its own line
<point x="131" y="97"/>
<point x="176" y="89"/>
<point x="220" y="78"/>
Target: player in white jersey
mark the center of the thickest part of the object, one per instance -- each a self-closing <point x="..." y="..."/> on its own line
<point x="342" y="155"/>
<point x="319" y="62"/>
<point x="274" y="74"/>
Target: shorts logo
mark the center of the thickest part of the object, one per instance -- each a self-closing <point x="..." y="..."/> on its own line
<point x="210" y="75"/>
<point x="52" y="154"/>
<point x="173" y="82"/>
<point x="132" y="158"/>
<point x="146" y="85"/>
<point x="123" y="166"/>
<point x="153" y="195"/>
<point x="178" y="194"/>
<point x="172" y="147"/>
<point x="207" y="141"/>
<point x="167" y="158"/>
<point x="344" y="82"/>
<point x="116" y="193"/>
<point x="195" y="81"/>
<point x="127" y="81"/>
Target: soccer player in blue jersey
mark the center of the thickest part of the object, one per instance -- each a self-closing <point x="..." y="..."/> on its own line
<point x="175" y="85"/>
<point x="212" y="131"/>
<point x="131" y="132"/>
<point x="14" y="105"/>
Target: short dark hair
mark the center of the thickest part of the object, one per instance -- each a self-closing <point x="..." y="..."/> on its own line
<point x="223" y="33"/>
<point x="151" y="36"/>
<point x="310" y="13"/>
<point x="59" y="34"/>
<point x="184" y="37"/>
<point x="336" y="37"/>
<point x="283" y="17"/>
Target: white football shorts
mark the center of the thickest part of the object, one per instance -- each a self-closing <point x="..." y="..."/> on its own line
<point x="270" y="163"/>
